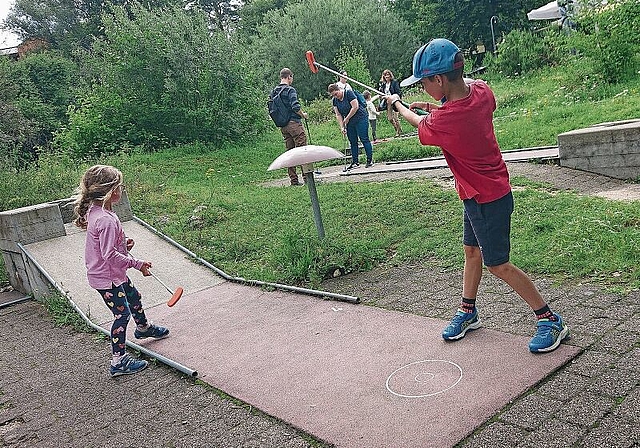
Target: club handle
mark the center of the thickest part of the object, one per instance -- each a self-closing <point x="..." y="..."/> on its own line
<point x="416" y="110"/>
<point x="161" y="282"/>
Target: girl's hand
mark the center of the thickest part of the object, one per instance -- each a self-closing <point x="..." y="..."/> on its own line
<point x="146" y="265"/>
<point x="130" y="244"/>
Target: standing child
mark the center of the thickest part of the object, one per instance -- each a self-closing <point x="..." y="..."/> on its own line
<point x="463" y="128"/>
<point x="107" y="259"/>
<point x="373" y="114"/>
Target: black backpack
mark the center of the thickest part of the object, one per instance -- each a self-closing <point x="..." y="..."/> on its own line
<point x="278" y="110"/>
<point x="361" y="99"/>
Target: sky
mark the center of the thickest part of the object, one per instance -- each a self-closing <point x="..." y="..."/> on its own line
<point x="6" y="39"/>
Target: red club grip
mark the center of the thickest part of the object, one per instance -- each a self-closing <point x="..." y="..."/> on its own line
<point x="311" y="60"/>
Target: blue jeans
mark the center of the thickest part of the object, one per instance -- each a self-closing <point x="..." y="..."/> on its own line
<point x="359" y="129"/>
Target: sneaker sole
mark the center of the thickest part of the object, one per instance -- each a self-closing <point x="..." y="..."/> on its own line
<point x="474" y="326"/>
<point x="152" y="337"/>
<point x="564" y="334"/>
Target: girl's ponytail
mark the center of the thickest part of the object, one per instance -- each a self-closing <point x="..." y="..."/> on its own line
<point x="97" y="185"/>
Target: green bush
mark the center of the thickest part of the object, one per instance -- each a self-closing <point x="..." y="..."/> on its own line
<point x="34" y="95"/>
<point x="354" y="61"/>
<point x="521" y="52"/>
<point x="160" y="78"/>
<point x="609" y="37"/>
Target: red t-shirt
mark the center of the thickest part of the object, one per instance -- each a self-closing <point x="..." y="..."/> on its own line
<point x="464" y="130"/>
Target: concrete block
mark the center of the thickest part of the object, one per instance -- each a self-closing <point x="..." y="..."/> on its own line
<point x="611" y="149"/>
<point x="29" y="224"/>
<point x="122" y="208"/>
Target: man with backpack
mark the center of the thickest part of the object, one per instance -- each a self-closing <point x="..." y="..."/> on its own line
<point x="286" y="112"/>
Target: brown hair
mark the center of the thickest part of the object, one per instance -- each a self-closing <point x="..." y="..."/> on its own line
<point x="285" y="73"/>
<point x="385" y="72"/>
<point x="332" y="88"/>
<point x="97" y="185"/>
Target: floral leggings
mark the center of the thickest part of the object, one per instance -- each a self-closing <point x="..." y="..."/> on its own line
<point x="123" y="301"/>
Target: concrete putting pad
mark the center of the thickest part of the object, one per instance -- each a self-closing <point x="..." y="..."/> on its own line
<point x="353" y="375"/>
<point x="63" y="259"/>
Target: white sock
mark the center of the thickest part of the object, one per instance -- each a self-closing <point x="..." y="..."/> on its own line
<point x="115" y="360"/>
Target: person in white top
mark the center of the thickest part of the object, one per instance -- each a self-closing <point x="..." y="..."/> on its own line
<point x="373" y="114"/>
<point x="342" y="81"/>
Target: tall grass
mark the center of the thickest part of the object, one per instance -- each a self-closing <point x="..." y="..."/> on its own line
<point x="213" y="200"/>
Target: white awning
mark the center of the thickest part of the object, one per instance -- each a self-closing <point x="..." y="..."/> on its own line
<point x="550" y="11"/>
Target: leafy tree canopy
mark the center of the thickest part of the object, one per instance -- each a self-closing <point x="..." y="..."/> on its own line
<point x="464" y="22"/>
<point x="159" y="78"/>
<point x="65" y="24"/>
<point x="325" y="26"/>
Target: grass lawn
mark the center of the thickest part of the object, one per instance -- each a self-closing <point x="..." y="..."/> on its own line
<point x="212" y="200"/>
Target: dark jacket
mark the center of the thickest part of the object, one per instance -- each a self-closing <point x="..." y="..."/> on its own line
<point x="394" y="88"/>
<point x="289" y="97"/>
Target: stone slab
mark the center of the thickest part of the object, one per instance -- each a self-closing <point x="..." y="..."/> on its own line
<point x="10" y="296"/>
<point x="352" y="375"/>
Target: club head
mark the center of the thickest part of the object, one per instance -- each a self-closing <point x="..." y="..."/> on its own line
<point x="311" y="60"/>
<point x="176" y="296"/>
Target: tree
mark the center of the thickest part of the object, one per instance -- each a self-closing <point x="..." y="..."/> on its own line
<point x="324" y="26"/>
<point x="464" y="21"/>
<point x="251" y="14"/>
<point x="34" y="95"/>
<point x="65" y="24"/>
<point x="222" y="14"/>
<point x="159" y="78"/>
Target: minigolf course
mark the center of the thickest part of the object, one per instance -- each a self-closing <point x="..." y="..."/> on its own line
<point x="350" y="374"/>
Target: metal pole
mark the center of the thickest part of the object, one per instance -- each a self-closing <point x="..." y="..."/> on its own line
<point x="494" y="19"/>
<point x="350" y="79"/>
<point x="313" y="292"/>
<point x="315" y="205"/>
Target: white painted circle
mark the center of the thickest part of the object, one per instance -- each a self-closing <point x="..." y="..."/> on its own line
<point x="425" y="378"/>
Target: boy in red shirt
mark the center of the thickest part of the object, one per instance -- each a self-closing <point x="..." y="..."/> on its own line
<point x="463" y="128"/>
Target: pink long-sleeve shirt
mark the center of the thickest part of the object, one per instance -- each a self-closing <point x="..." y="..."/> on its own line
<point x="105" y="253"/>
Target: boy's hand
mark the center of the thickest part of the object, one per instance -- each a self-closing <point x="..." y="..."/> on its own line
<point x="392" y="98"/>
<point x="130" y="244"/>
<point x="146" y="265"/>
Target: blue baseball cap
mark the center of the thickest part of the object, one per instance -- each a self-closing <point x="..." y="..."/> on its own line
<point x="435" y="58"/>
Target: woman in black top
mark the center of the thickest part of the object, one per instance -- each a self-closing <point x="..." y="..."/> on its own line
<point x="389" y="85"/>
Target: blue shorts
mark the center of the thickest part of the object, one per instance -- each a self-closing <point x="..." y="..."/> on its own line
<point x="488" y="226"/>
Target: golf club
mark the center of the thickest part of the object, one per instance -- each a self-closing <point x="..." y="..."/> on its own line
<point x="313" y="65"/>
<point x="175" y="295"/>
<point x="317" y="171"/>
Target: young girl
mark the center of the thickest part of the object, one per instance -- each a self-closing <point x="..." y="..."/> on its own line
<point x="373" y="114"/>
<point x="107" y="259"/>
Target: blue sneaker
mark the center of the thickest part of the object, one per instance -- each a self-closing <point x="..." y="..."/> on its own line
<point x="549" y="335"/>
<point x="154" y="331"/>
<point x="460" y="324"/>
<point x="128" y="366"/>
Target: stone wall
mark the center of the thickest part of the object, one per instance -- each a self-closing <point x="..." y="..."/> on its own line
<point x="609" y="149"/>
